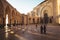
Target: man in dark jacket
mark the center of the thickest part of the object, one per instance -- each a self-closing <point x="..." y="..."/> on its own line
<point x="45" y="20"/>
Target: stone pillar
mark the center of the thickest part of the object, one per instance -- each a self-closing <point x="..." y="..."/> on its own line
<point x="10" y="22"/>
<point x="3" y="21"/>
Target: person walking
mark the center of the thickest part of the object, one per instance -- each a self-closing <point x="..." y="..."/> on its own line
<point x="36" y="26"/>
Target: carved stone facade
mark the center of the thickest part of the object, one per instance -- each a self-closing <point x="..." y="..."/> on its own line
<point x="51" y="7"/>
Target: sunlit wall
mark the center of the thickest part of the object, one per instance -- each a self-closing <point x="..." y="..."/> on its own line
<point x="58" y="3"/>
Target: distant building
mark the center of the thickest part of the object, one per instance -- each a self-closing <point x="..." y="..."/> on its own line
<point x="24" y="19"/>
<point x="33" y="18"/>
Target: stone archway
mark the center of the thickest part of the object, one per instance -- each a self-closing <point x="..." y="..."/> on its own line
<point x="7" y="12"/>
<point x="33" y="20"/>
<point x="13" y="18"/>
<point x="45" y="12"/>
<point x="37" y="20"/>
<point x="48" y="10"/>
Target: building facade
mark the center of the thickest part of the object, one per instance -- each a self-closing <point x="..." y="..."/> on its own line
<point x="14" y="17"/>
<point x="51" y="7"/>
<point x="33" y="18"/>
<point x="24" y="19"/>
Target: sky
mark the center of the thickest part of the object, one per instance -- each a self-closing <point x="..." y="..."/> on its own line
<point x="24" y="6"/>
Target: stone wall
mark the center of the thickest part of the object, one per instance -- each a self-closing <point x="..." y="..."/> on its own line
<point x="14" y="17"/>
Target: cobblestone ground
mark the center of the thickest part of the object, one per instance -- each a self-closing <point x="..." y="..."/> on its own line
<point x="30" y="32"/>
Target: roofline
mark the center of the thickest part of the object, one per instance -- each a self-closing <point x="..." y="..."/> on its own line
<point x="41" y="3"/>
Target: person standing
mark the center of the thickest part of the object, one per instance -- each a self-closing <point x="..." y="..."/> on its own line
<point x="41" y="28"/>
<point x="45" y="21"/>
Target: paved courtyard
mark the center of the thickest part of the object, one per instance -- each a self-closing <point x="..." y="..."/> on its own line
<point x="30" y="32"/>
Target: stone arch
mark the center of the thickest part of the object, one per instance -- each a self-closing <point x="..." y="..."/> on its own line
<point x="45" y="12"/>
<point x="33" y="20"/>
<point x="7" y="12"/>
<point x="13" y="20"/>
<point x="46" y="9"/>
